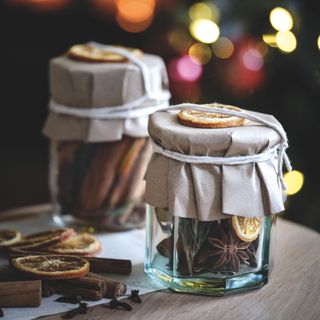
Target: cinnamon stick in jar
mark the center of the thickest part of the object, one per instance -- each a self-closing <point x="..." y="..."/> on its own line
<point x="20" y="293"/>
<point x="100" y="175"/>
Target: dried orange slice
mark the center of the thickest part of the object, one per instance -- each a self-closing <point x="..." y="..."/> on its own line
<point x="9" y="237"/>
<point x="201" y="119"/>
<point x="247" y="229"/>
<point x="82" y="244"/>
<point x="51" y="266"/>
<point x="44" y="239"/>
<point x="90" y="53"/>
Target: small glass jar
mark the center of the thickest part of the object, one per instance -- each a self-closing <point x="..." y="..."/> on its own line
<point x="207" y="257"/>
<point x="213" y="195"/>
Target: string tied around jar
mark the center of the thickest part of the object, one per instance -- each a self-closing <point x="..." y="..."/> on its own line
<point x="278" y="150"/>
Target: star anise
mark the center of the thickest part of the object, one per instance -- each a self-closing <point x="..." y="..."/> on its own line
<point x="229" y="250"/>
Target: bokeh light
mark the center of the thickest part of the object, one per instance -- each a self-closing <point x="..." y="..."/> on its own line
<point x="184" y="69"/>
<point x="318" y="42"/>
<point x="270" y="39"/>
<point x="204" y="30"/>
<point x="223" y="48"/>
<point x="200" y="53"/>
<point x="281" y="19"/>
<point x="41" y="5"/>
<point x="180" y="40"/>
<point x="294" y="181"/>
<point x="135" y="15"/>
<point x="252" y="59"/>
<point x="286" y="41"/>
<point x="204" y="10"/>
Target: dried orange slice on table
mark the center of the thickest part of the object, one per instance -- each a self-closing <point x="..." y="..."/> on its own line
<point x="82" y="244"/>
<point x="41" y="240"/>
<point x="51" y="266"/>
<point x="247" y="229"/>
<point x="202" y="119"/>
<point x="9" y="237"/>
<point x="91" y="53"/>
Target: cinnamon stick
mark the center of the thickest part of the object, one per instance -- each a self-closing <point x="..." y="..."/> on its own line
<point x="101" y="174"/>
<point x="20" y="293"/>
<point x="123" y="172"/>
<point x="115" y="289"/>
<point x="107" y="265"/>
<point x="87" y="294"/>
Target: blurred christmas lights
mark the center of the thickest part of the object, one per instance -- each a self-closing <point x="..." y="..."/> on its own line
<point x="223" y="48"/>
<point x="135" y="15"/>
<point x="294" y="181"/>
<point x="270" y="39"/>
<point x="200" y="53"/>
<point x="180" y="40"/>
<point x="252" y="59"/>
<point x="286" y="41"/>
<point x="204" y="30"/>
<point x="185" y="69"/>
<point x="281" y="19"/>
<point x="204" y="10"/>
<point x="41" y="5"/>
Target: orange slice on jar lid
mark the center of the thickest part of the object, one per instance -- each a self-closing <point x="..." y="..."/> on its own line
<point x="9" y="237"/>
<point x="82" y="244"/>
<point x="247" y="229"/>
<point x="51" y="266"/>
<point x="201" y="119"/>
<point x="91" y="53"/>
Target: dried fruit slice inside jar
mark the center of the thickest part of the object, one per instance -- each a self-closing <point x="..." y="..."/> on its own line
<point x="247" y="229"/>
<point x="90" y="53"/>
<point x="82" y="244"/>
<point x="51" y="266"/>
<point x="202" y="119"/>
<point x="9" y="237"/>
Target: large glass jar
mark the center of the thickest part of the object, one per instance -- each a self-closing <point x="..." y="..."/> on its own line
<point x="209" y="257"/>
<point x="213" y="194"/>
<point x="97" y="128"/>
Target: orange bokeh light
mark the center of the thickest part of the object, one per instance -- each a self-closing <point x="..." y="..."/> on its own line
<point x="135" y="15"/>
<point x="42" y="5"/>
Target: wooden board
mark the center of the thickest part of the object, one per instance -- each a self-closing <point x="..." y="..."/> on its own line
<point x="293" y="292"/>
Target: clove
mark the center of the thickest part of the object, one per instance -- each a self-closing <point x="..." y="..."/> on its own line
<point x="116" y="304"/>
<point x="81" y="309"/>
<point x="135" y="296"/>
<point x="69" y="299"/>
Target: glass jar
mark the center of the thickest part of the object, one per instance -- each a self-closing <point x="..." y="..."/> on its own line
<point x="213" y="194"/>
<point x="100" y="183"/>
<point x="207" y="257"/>
<point x="97" y="126"/>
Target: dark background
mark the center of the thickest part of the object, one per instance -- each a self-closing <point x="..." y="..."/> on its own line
<point x="287" y="86"/>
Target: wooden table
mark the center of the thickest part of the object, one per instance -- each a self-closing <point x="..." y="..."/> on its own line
<point x="293" y="292"/>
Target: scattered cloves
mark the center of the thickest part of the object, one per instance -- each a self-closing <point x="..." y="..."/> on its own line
<point x="116" y="304"/>
<point x="135" y="296"/>
<point x="69" y="299"/>
<point x="81" y="309"/>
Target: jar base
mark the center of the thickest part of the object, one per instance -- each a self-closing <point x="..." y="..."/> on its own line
<point x="211" y="286"/>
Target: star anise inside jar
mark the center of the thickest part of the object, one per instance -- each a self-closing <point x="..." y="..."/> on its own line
<point x="229" y="251"/>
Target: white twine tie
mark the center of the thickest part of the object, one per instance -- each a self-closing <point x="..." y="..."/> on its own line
<point x="141" y="107"/>
<point x="277" y="151"/>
